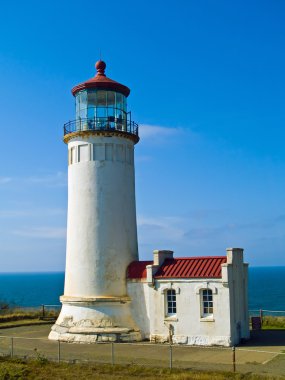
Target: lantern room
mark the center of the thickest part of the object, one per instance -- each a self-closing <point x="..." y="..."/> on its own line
<point x="101" y="105"/>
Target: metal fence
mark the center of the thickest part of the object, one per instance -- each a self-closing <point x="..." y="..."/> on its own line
<point x="44" y="311"/>
<point x="264" y="353"/>
<point x="241" y="359"/>
<point x="267" y="313"/>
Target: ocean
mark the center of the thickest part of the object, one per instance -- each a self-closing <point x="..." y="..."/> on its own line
<point x="266" y="288"/>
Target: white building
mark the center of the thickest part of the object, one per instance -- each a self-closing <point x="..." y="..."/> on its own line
<point x="193" y="300"/>
<point x="205" y="305"/>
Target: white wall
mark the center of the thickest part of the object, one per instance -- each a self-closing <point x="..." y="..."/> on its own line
<point x="230" y="307"/>
<point x="101" y="241"/>
<point x="237" y="277"/>
<point x="188" y="325"/>
<point x="101" y="228"/>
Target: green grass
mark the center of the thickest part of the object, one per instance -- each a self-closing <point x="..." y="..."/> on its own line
<point x="24" y="322"/>
<point x="17" y="317"/>
<point x="273" y="323"/>
<point x="11" y="315"/>
<point x="11" y="369"/>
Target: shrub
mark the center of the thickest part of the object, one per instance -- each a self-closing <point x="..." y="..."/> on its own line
<point x="273" y="322"/>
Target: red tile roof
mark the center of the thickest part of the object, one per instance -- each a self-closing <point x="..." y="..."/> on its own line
<point x="181" y="267"/>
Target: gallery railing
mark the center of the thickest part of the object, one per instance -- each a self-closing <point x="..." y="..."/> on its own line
<point x="109" y="123"/>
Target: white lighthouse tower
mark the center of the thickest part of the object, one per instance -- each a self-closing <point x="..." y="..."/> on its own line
<point x="101" y="223"/>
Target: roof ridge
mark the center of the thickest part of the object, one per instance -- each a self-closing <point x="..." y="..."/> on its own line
<point x="197" y="257"/>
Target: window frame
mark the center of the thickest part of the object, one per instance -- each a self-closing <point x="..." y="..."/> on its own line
<point x="206" y="303"/>
<point x="170" y="303"/>
<point x="73" y="155"/>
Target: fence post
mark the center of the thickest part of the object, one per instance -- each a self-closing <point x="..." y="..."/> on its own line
<point x="58" y="351"/>
<point x="112" y="354"/>
<point x="43" y="311"/>
<point x="234" y="358"/>
<point x="170" y="356"/>
<point x="261" y="316"/>
<point x="12" y="347"/>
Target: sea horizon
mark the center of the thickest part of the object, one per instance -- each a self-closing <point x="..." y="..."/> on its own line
<point x="63" y="271"/>
<point x="266" y="288"/>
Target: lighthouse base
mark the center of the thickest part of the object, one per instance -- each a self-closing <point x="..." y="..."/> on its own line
<point x="95" y="319"/>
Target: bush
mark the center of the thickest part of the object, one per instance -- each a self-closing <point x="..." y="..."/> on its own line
<point x="4" y="305"/>
<point x="18" y="316"/>
<point x="10" y="313"/>
<point x="273" y="322"/>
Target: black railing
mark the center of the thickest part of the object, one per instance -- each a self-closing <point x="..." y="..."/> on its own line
<point x="110" y="123"/>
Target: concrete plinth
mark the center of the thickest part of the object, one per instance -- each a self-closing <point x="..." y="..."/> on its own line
<point x="95" y="319"/>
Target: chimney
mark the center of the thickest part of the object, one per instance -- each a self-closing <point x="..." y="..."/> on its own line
<point x="158" y="258"/>
<point x="160" y="255"/>
<point x="234" y="255"/>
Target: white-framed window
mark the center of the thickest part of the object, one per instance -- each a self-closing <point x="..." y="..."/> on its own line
<point x="207" y="307"/>
<point x="84" y="153"/>
<point x="170" y="298"/>
<point x="73" y="158"/>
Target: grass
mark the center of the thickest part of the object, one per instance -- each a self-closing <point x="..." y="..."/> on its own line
<point x="11" y="369"/>
<point x="273" y="323"/>
<point x="13" y="316"/>
<point x="18" y="314"/>
<point x="17" y="317"/>
<point x="24" y="322"/>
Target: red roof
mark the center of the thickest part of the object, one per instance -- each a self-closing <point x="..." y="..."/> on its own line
<point x="137" y="269"/>
<point x="102" y="82"/>
<point x="181" y="267"/>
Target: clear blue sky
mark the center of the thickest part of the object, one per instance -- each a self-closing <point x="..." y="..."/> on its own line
<point x="208" y="89"/>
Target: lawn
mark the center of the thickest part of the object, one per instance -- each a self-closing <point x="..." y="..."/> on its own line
<point x="273" y="323"/>
<point x="42" y="369"/>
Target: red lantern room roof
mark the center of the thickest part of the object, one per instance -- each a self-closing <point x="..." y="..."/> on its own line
<point x="100" y="81"/>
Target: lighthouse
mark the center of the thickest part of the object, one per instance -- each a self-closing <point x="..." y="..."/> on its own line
<point x="101" y="220"/>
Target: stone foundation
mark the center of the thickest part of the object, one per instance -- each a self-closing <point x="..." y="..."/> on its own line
<point x="81" y="335"/>
<point x="197" y="340"/>
<point x="90" y="320"/>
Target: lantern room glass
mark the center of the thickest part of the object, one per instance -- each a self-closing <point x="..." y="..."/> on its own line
<point x="101" y="106"/>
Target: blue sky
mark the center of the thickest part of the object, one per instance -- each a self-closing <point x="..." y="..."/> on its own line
<point x="207" y="86"/>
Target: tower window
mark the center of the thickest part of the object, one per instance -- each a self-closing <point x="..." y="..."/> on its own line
<point x="109" y="152"/>
<point x="73" y="155"/>
<point x="84" y="154"/>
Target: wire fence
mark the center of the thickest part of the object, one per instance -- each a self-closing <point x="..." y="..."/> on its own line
<point x="267" y="313"/>
<point x="267" y="319"/>
<point x="241" y="359"/>
<point x="265" y="352"/>
<point x="43" y="311"/>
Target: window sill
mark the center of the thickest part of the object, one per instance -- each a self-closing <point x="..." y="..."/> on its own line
<point x="170" y="319"/>
<point x="207" y="319"/>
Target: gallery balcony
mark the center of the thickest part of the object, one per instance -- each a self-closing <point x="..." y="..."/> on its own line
<point x="98" y="125"/>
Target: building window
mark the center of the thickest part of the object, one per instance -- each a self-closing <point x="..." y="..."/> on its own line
<point x="206" y="303"/>
<point x="170" y="302"/>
